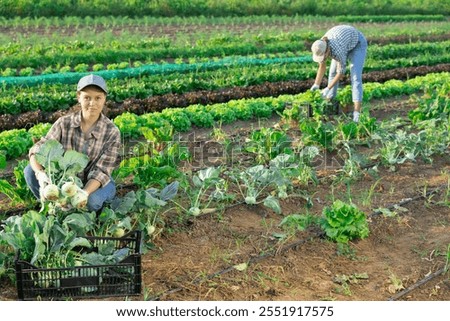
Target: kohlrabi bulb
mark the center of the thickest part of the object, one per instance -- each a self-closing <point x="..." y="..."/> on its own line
<point x="51" y="192"/>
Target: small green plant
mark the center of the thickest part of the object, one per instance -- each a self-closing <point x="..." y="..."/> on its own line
<point x="28" y="71"/>
<point x="112" y="66"/>
<point x="396" y="284"/>
<point x="343" y="222"/>
<point x="353" y="164"/>
<point x="18" y="193"/>
<point x="297" y="222"/>
<point x="253" y="182"/>
<point x="143" y="209"/>
<point x="65" y="69"/>
<point x="267" y="143"/>
<point x="9" y="72"/>
<point x="316" y="131"/>
<point x="98" y="67"/>
<point x="207" y="186"/>
<point x="123" y="65"/>
<point x="49" y="70"/>
<point x="367" y="198"/>
<point x="81" y="68"/>
<point x="345" y="281"/>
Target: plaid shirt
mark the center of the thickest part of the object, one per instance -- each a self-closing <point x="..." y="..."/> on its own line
<point x="102" y="144"/>
<point x="342" y="40"/>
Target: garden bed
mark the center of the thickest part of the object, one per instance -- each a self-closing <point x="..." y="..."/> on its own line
<point x="235" y="253"/>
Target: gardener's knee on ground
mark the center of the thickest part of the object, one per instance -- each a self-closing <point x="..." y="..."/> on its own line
<point x="95" y="203"/>
<point x="30" y="178"/>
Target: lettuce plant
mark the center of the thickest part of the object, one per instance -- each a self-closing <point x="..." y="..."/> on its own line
<point x="343" y="222"/>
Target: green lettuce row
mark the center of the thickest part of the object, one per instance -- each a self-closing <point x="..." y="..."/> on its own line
<point x="62" y="96"/>
<point x="182" y="119"/>
<point x="15" y="143"/>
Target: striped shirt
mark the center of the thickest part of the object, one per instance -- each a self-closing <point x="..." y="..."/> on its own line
<point x="101" y="144"/>
<point x="342" y="39"/>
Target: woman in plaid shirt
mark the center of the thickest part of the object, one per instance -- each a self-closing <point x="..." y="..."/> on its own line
<point x="89" y="132"/>
<point x="341" y="43"/>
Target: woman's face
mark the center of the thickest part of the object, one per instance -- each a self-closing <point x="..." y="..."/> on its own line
<point x="92" y="101"/>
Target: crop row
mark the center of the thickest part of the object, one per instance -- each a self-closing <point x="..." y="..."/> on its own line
<point x="15" y="143"/>
<point x="148" y="81"/>
<point x="124" y="21"/>
<point x="89" y="55"/>
<point x="170" y="8"/>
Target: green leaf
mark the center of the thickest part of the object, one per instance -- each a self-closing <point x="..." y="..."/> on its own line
<point x="79" y="241"/>
<point x="73" y="162"/>
<point x="2" y="160"/>
<point x="39" y="248"/>
<point x="106" y="215"/>
<point x="50" y="151"/>
<point x="169" y="191"/>
<point x="58" y="236"/>
<point x="80" y="223"/>
<point x="208" y="173"/>
<point x="272" y="203"/>
<point x="124" y="205"/>
<point x="151" y="201"/>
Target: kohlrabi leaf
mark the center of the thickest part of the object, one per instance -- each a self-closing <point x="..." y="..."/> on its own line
<point x="149" y="201"/>
<point x="73" y="162"/>
<point x="169" y="191"/>
<point x="39" y="248"/>
<point x="80" y="223"/>
<point x="210" y="172"/>
<point x="58" y="236"/>
<point x="273" y="203"/>
<point x="79" y="241"/>
<point x="50" y="151"/>
<point x="107" y="214"/>
<point x="124" y="205"/>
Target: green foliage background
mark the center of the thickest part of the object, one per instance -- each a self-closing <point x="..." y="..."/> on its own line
<point x="170" y="8"/>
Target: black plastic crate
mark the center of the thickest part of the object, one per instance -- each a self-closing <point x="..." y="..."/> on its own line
<point x="121" y="279"/>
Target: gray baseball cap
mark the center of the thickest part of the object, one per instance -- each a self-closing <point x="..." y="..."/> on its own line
<point x="92" y="80"/>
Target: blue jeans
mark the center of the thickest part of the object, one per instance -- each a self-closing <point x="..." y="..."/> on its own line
<point x="356" y="57"/>
<point x="95" y="200"/>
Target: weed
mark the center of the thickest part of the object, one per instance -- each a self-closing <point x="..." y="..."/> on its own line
<point x="344" y="288"/>
<point x="148" y="294"/>
<point x="344" y="249"/>
<point x="396" y="284"/>
<point x="367" y="198"/>
<point x="446" y="199"/>
<point x="217" y="255"/>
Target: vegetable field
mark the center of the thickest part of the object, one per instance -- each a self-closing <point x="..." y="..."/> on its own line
<point x="245" y="184"/>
